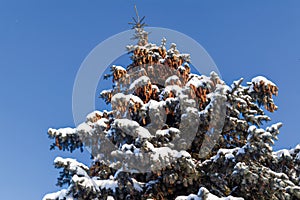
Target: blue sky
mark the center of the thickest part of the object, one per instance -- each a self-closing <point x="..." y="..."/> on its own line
<point x="43" y="43"/>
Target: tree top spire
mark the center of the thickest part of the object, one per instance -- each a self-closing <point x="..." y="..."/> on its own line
<point x="137" y="22"/>
<point x="138" y="25"/>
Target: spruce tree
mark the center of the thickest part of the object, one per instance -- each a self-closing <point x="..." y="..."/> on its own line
<point x="173" y="134"/>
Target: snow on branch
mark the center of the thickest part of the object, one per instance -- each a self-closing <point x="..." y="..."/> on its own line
<point x="204" y="194"/>
<point x="262" y="90"/>
<point x="65" y="139"/>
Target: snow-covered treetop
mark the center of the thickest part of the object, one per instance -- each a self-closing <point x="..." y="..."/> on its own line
<point x="172" y="134"/>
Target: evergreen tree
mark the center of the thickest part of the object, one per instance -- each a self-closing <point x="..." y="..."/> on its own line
<point x="173" y="134"/>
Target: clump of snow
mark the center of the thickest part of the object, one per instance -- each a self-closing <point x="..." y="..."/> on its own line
<point x="140" y="82"/>
<point x="60" y="195"/>
<point x="132" y="128"/>
<point x="154" y="87"/>
<point x="72" y="164"/>
<point x="126" y="124"/>
<point x="120" y="97"/>
<point x="297" y="148"/>
<point x="110" y="198"/>
<point x="282" y="153"/>
<point x="166" y="132"/>
<point x="167" y="153"/>
<point x="172" y="80"/>
<point x="190" y="197"/>
<point x="93" y="115"/>
<point x="143" y="132"/>
<point x="155" y="105"/>
<point x="102" y="123"/>
<point x="63" y="132"/>
<point x="149" y="146"/>
<point x="204" y="194"/>
<point x="116" y="97"/>
<point x="227" y="152"/>
<point x="181" y="68"/>
<point x="107" y="184"/>
<point x="199" y="81"/>
<point x="84" y="127"/>
<point x="117" y="67"/>
<point x="126" y="147"/>
<point x="85" y="182"/>
<point x="105" y="91"/>
<point x="135" y="98"/>
<point x="175" y="89"/>
<point x="257" y="80"/>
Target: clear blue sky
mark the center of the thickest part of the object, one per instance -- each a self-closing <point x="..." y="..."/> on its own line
<point x="43" y="42"/>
